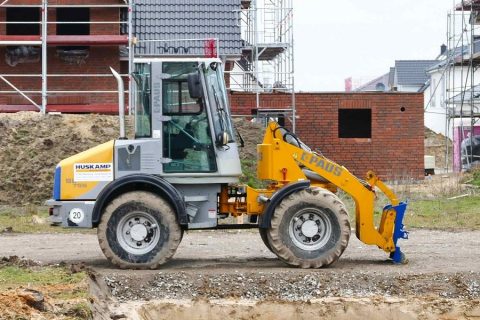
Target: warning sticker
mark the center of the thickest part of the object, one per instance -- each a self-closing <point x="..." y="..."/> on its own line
<point x="93" y="172"/>
<point x="212" y="213"/>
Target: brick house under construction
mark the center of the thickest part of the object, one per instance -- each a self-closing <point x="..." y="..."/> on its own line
<point x="84" y="37"/>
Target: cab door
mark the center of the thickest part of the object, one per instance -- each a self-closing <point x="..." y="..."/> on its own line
<point x="187" y="141"/>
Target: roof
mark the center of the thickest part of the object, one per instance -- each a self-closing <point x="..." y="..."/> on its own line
<point x="187" y="19"/>
<point x="412" y="72"/>
<point x="378" y="84"/>
<point x="391" y="77"/>
<point x="468" y="5"/>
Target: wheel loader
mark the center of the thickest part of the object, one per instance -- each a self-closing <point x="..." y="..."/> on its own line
<point x="181" y="172"/>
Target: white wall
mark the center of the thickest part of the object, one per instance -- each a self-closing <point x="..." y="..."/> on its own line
<point x="436" y="95"/>
<point x="408" y="88"/>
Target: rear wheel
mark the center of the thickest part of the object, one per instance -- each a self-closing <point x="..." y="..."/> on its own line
<point x="139" y="230"/>
<point x="309" y="229"/>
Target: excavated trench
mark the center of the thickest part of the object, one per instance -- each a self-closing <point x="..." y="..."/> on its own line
<point x="285" y="295"/>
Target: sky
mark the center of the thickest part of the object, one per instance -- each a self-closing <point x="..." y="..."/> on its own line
<point x="334" y="40"/>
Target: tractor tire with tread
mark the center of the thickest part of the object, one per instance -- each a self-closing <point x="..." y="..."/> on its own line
<point x="139" y="203"/>
<point x="325" y="206"/>
<point x="263" y="235"/>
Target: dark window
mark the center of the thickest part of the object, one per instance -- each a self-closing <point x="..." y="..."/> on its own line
<point x="73" y="15"/>
<point x="123" y="18"/>
<point x="23" y="15"/>
<point x="177" y="100"/>
<point x="75" y="29"/>
<point x="354" y="123"/>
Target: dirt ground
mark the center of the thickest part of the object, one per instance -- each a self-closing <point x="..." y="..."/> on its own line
<point x="218" y="273"/>
<point x="32" y="145"/>
<point x="435" y="146"/>
<point x="224" y="275"/>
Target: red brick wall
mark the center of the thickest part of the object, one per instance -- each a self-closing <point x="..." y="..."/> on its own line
<point x="395" y="150"/>
<point x="98" y="62"/>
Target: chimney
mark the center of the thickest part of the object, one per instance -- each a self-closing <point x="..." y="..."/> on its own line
<point x="443" y="49"/>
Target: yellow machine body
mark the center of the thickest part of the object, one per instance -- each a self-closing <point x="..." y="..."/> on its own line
<point x="84" y="175"/>
<point x="283" y="162"/>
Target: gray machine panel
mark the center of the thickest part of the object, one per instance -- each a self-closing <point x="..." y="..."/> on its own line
<point x="137" y="156"/>
<point x="201" y="203"/>
<point x="157" y="94"/>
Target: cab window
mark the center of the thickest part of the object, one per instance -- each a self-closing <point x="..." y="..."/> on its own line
<point x="187" y="139"/>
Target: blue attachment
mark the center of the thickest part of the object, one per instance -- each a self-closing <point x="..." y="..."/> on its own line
<point x="57" y="183"/>
<point x="398" y="231"/>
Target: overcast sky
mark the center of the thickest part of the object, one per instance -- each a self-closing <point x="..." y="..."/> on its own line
<point x="362" y="39"/>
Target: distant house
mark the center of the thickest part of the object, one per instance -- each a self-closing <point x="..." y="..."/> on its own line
<point x="411" y="75"/>
<point x="414" y="76"/>
<point x="441" y="99"/>
<point x="406" y="76"/>
<point x="380" y="84"/>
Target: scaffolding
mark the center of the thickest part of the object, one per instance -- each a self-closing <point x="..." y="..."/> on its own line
<point x="267" y="61"/>
<point x="462" y="93"/>
<point x="44" y="40"/>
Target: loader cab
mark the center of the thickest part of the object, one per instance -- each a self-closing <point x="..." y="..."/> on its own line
<point x="184" y="104"/>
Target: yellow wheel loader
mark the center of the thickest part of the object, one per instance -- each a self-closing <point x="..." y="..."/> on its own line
<point x="181" y="172"/>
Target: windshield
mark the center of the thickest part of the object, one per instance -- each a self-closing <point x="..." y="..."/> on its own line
<point x="217" y="96"/>
<point x="142" y="103"/>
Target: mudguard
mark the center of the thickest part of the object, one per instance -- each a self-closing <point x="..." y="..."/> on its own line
<point x="277" y="197"/>
<point x="144" y="182"/>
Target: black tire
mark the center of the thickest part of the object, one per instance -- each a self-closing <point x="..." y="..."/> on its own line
<point x="321" y="249"/>
<point x="263" y="235"/>
<point x="162" y="238"/>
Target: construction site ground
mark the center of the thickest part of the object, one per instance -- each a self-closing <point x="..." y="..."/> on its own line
<point x="222" y="274"/>
<point x="214" y="271"/>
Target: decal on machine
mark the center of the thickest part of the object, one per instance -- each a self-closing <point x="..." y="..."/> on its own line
<point x="93" y="172"/>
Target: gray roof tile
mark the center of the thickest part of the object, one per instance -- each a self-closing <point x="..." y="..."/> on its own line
<point x="412" y="72"/>
<point x="187" y="19"/>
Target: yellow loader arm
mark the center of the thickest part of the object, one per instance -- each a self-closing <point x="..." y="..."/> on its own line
<point x="281" y="158"/>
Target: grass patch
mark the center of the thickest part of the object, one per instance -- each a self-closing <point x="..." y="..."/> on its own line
<point x="440" y="213"/>
<point x="12" y="277"/>
<point x="461" y="213"/>
<point x="31" y="219"/>
<point x="249" y="177"/>
<point x="476" y="178"/>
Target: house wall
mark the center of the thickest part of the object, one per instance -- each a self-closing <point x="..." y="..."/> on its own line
<point x="409" y="88"/>
<point x="435" y="117"/>
<point x="396" y="148"/>
<point x="98" y="62"/>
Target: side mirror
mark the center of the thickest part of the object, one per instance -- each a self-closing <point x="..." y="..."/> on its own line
<point x="222" y="139"/>
<point x="195" y="85"/>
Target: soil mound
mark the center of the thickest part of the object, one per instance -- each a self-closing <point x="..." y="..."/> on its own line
<point x="31" y="145"/>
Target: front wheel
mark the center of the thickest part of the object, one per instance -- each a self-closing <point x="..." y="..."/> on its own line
<point x="139" y="230"/>
<point x="309" y="229"/>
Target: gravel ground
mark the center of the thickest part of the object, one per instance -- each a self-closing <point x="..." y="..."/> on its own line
<point x="292" y="285"/>
<point x="441" y="280"/>
<point x="428" y="252"/>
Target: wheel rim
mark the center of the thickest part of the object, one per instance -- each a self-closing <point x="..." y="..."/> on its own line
<point x="310" y="229"/>
<point x="138" y="232"/>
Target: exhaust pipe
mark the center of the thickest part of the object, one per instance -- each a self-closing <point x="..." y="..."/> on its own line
<point x="121" y="102"/>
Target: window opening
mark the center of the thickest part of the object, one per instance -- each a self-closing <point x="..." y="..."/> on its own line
<point x="73" y="54"/>
<point x="355" y="123"/>
<point x="22" y="54"/>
